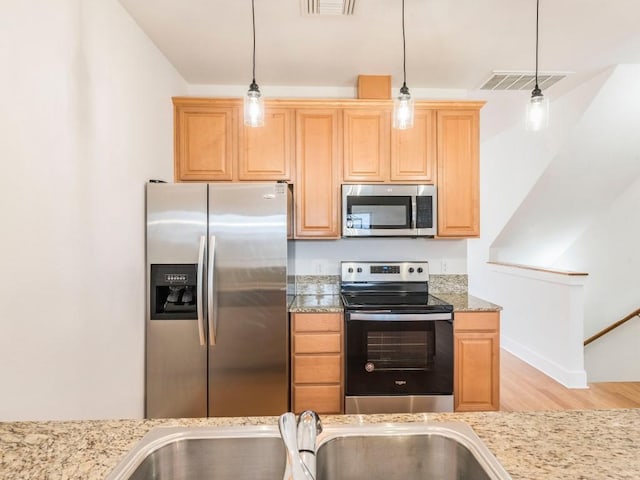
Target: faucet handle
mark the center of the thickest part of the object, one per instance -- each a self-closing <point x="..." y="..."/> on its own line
<point x="310" y="416"/>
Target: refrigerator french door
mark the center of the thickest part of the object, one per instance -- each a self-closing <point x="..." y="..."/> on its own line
<point x="217" y="325"/>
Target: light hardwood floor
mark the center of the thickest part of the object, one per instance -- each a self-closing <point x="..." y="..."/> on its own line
<point x="522" y="387"/>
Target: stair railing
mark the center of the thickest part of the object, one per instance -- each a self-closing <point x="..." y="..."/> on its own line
<point x="612" y="327"/>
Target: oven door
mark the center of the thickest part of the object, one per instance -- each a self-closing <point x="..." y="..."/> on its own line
<point x="398" y="354"/>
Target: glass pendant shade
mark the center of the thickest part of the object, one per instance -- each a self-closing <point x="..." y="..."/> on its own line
<point x="253" y="107"/>
<point x="537" y="111"/>
<point x="403" y="109"/>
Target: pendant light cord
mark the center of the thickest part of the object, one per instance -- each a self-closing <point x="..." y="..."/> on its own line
<point x="537" y="14"/>
<point x="404" y="53"/>
<point x="253" y="17"/>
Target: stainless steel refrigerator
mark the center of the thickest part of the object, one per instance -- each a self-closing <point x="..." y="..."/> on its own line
<point x="217" y="322"/>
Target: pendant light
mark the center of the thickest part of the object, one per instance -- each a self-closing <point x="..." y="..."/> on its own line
<point x="403" y="104"/>
<point x="253" y="101"/>
<point x="538" y="106"/>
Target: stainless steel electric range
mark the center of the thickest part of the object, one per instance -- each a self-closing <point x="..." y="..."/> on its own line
<point x="398" y="340"/>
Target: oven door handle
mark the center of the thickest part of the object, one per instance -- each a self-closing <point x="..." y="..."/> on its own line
<point x="411" y="317"/>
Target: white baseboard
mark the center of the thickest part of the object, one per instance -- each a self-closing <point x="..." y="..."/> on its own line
<point x="568" y="378"/>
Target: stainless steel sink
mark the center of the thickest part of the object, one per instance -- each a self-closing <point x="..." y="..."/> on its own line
<point x="404" y="451"/>
<point x="446" y="451"/>
<point x="212" y="453"/>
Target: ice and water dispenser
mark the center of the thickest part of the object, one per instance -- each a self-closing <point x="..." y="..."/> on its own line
<point x="174" y="292"/>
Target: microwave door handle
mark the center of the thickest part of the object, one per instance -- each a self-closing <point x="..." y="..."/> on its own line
<point x="211" y="293"/>
<point x="200" y="291"/>
<point x="414" y="211"/>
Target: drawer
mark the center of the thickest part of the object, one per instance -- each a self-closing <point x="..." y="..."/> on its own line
<point x="317" y="343"/>
<point x="317" y="322"/>
<point x="320" y="398"/>
<point x="476" y="321"/>
<point x="317" y="369"/>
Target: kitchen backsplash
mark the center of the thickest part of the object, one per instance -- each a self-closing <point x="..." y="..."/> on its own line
<point x="448" y="283"/>
<point x="317" y="284"/>
<point x="330" y="284"/>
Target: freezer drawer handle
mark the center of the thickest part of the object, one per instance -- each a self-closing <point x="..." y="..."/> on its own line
<point x="210" y="290"/>
<point x="200" y="302"/>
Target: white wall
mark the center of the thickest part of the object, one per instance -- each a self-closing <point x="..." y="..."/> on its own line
<point x="609" y="251"/>
<point x="597" y="160"/>
<point x="542" y="321"/>
<point x="512" y="162"/>
<point x="323" y="257"/>
<point x="86" y="119"/>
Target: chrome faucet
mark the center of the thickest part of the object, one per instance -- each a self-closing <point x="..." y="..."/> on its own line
<point x="300" y="441"/>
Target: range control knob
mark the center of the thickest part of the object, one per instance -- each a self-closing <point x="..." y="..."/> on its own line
<point x="419" y="269"/>
<point x="410" y="269"/>
<point x="359" y="270"/>
<point x="350" y="270"/>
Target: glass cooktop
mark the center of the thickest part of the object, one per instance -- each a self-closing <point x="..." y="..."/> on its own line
<point x="394" y="301"/>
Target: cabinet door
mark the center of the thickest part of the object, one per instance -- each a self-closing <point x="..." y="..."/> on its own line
<point x="266" y="152"/>
<point x="458" y="173"/>
<point x="205" y="141"/>
<point x="317" y="369"/>
<point x="317" y="189"/>
<point x="477" y="361"/>
<point x="413" y="151"/>
<point x="366" y="145"/>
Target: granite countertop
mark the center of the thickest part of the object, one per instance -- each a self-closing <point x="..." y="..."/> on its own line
<point x="461" y="302"/>
<point x="579" y="444"/>
<point x="316" y="304"/>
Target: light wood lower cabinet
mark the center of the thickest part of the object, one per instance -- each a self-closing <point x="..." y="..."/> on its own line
<point x="476" y="361"/>
<point x="317" y="362"/>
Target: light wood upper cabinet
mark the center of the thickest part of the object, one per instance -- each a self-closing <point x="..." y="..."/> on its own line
<point x="266" y="153"/>
<point x="413" y="151"/>
<point x="458" y="179"/>
<point x="205" y="140"/>
<point x="366" y="145"/>
<point x="317" y="188"/>
<point x="212" y="143"/>
<point x="477" y="361"/>
<point x="318" y="144"/>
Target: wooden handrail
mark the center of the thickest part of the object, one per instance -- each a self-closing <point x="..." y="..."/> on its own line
<point x="611" y="327"/>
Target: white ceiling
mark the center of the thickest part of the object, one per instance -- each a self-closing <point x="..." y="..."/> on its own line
<point x="451" y="44"/>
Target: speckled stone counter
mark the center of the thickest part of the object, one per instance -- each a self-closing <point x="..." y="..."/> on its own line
<point x="582" y="444"/>
<point x="463" y="302"/>
<point x="316" y="304"/>
<point x="331" y="303"/>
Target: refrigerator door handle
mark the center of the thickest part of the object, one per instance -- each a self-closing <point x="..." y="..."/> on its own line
<point x="211" y="290"/>
<point x="200" y="302"/>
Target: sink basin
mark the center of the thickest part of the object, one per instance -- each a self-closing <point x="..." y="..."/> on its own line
<point x="445" y="451"/>
<point x="212" y="453"/>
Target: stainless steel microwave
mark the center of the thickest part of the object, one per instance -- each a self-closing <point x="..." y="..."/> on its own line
<point x="389" y="210"/>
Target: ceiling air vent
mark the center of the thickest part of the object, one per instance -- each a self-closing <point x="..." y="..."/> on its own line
<point x="522" y="80"/>
<point x="328" y="7"/>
